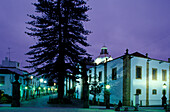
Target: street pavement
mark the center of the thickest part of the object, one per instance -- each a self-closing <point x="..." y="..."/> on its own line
<point x="41" y="105"/>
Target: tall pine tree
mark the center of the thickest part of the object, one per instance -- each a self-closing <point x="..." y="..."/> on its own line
<point x="61" y="36"/>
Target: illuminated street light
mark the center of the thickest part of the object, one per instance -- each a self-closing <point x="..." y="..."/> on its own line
<point x="164" y="86"/>
<point x="26" y="87"/>
<point x="45" y="81"/>
<point x="54" y="83"/>
<point x="107" y="86"/>
<point x="164" y="97"/>
<point x="31" y="77"/>
<point x="39" y="87"/>
<point x="41" y="80"/>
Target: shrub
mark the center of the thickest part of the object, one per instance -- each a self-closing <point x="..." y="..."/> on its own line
<point x="6" y="99"/>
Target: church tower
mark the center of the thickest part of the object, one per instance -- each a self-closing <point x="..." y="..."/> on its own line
<point x="104" y="55"/>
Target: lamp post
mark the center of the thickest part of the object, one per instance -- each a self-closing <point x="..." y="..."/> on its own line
<point x="33" y="87"/>
<point x="164" y="97"/>
<point x="107" y="96"/>
<point x="26" y="89"/>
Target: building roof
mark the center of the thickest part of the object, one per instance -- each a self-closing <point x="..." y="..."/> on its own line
<point x="138" y="55"/>
<point x="12" y="70"/>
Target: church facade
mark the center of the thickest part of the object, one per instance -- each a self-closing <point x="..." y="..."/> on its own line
<point x="131" y="74"/>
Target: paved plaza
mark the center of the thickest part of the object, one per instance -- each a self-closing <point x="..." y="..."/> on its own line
<point x="41" y="105"/>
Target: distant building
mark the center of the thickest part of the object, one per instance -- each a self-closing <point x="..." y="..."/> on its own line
<point x="31" y="86"/>
<point x="8" y="70"/>
<point x="8" y="63"/>
<point x="132" y="74"/>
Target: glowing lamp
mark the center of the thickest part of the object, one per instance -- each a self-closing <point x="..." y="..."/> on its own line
<point x="26" y="87"/>
<point x="41" y="80"/>
<point x="31" y="77"/>
<point x="107" y="86"/>
<point x="164" y="85"/>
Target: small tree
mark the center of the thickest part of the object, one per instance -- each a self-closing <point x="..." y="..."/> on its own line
<point x="95" y="89"/>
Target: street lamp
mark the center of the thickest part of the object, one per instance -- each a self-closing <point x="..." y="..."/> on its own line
<point x="39" y="88"/>
<point x="164" y="86"/>
<point x="107" y="96"/>
<point x="31" y="77"/>
<point x="26" y="89"/>
<point x="45" y="81"/>
<point x="107" y="87"/>
<point x="41" y="80"/>
<point x="54" y="83"/>
<point x="164" y="97"/>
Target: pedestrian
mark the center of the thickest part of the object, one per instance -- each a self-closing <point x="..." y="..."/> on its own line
<point x="120" y="104"/>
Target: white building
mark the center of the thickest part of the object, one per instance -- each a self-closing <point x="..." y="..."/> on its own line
<point x="8" y="70"/>
<point x="132" y="74"/>
<point x="30" y="87"/>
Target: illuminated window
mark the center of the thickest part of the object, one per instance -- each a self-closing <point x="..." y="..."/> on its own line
<point x="114" y="74"/>
<point x="2" y="80"/>
<point x="164" y="76"/>
<point x="138" y="91"/>
<point x="100" y="76"/>
<point x="138" y="72"/>
<point x="154" y="74"/>
<point x="154" y="91"/>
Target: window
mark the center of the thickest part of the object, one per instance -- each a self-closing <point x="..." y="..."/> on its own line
<point x="138" y="72"/>
<point x="154" y="91"/>
<point x="114" y="74"/>
<point x="2" y="80"/>
<point x="154" y="74"/>
<point x="138" y="91"/>
<point x="164" y="76"/>
<point x="100" y="76"/>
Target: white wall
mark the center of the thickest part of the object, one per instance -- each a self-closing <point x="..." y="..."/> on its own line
<point x="158" y="84"/>
<point x="138" y="83"/>
<point x="7" y="87"/>
<point x="116" y="86"/>
<point x="153" y="84"/>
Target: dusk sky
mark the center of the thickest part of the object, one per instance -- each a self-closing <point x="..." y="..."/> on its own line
<point x="139" y="25"/>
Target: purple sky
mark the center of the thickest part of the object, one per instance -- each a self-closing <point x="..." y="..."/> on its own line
<point x="139" y="25"/>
